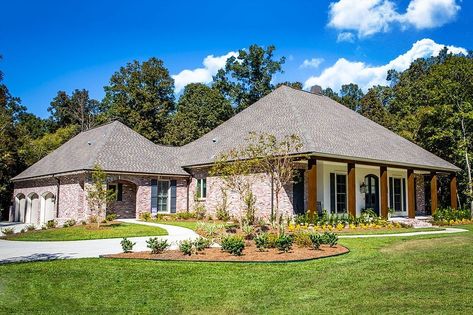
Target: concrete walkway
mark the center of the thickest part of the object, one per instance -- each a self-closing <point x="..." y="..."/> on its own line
<point x="446" y="231"/>
<point x="16" y="251"/>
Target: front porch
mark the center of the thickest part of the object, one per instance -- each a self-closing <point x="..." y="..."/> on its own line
<point x="342" y="186"/>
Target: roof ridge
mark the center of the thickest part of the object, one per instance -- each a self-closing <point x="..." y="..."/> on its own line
<point x="93" y="158"/>
<point x="307" y="139"/>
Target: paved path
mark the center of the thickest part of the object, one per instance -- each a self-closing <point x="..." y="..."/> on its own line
<point x="446" y="231"/>
<point x="16" y="251"/>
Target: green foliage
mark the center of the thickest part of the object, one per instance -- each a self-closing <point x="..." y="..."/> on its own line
<point x="157" y="245"/>
<point x="330" y="238"/>
<point x="142" y="95"/>
<point x="97" y="194"/>
<point x="70" y="222"/>
<point x="186" y="215"/>
<point x="199" y="210"/>
<point x="199" y="110"/>
<point x="248" y="77"/>
<point x="78" y="109"/>
<point x="186" y="247"/>
<point x="284" y="242"/>
<point x="51" y="224"/>
<point x="145" y="216"/>
<point x="262" y="241"/>
<point x="448" y="214"/>
<point x="221" y="209"/>
<point x="250" y="204"/>
<point x="248" y="230"/>
<point x="233" y="244"/>
<point x="111" y="217"/>
<point x="201" y="243"/>
<point x="302" y="238"/>
<point x="295" y="85"/>
<point x="127" y="245"/>
<point x="8" y="230"/>
<point x="316" y="240"/>
<point x="30" y="227"/>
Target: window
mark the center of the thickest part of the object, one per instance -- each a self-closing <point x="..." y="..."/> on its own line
<point x="397" y="193"/>
<point x="338" y="193"/>
<point x="163" y="196"/>
<point x="201" y="188"/>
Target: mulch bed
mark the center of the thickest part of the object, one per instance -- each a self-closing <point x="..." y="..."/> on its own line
<point x="250" y="254"/>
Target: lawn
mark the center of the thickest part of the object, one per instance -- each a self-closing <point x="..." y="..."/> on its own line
<point x="89" y="232"/>
<point x="405" y="275"/>
<point x="186" y="224"/>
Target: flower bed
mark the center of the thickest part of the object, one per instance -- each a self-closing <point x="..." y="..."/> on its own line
<point x="251" y="254"/>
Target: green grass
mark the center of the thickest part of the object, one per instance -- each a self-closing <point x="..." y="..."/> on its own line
<point x="386" y="231"/>
<point x="405" y="275"/>
<point x="186" y="224"/>
<point x="85" y="232"/>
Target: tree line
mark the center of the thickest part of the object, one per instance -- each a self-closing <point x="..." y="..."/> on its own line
<point x="430" y="104"/>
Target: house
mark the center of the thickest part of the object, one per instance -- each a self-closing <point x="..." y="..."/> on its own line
<point x="351" y="164"/>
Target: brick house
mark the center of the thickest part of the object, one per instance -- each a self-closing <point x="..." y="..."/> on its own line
<point x="352" y="163"/>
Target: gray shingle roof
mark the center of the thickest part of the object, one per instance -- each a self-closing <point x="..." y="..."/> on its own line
<point x="326" y="127"/>
<point x="115" y="147"/>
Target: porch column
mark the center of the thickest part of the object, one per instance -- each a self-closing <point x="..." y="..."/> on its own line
<point x="411" y="197"/>
<point x="383" y="170"/>
<point x="351" y="189"/>
<point x="312" y="186"/>
<point x="453" y="191"/>
<point x="433" y="192"/>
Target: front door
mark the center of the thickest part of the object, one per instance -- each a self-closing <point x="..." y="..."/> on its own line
<point x="372" y="193"/>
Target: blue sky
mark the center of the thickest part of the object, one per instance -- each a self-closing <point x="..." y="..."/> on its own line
<point x="53" y="45"/>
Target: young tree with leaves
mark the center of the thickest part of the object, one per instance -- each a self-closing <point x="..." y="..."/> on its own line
<point x="98" y="194"/>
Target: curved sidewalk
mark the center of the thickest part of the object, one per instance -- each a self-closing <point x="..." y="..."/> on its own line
<point x="17" y="251"/>
<point x="446" y="231"/>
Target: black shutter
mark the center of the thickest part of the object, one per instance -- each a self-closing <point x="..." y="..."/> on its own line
<point x="404" y="194"/>
<point x="391" y="193"/>
<point x="120" y="192"/>
<point x="332" y="192"/>
<point x="173" y="196"/>
<point x="154" y="196"/>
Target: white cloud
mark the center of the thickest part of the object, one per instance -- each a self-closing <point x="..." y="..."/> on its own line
<point x="201" y="75"/>
<point x="368" y="17"/>
<point x="345" y="37"/>
<point x="312" y="63"/>
<point x="345" y="71"/>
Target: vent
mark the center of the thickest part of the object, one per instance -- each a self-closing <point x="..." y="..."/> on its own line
<point x="316" y="89"/>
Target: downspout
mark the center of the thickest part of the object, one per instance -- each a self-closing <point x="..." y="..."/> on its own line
<point x="57" y="195"/>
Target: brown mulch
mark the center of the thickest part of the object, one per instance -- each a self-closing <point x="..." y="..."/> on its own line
<point x="250" y="254"/>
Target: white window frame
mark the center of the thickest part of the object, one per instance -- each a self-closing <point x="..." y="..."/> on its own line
<point x="168" y="202"/>
<point x="201" y="187"/>
<point x="346" y="193"/>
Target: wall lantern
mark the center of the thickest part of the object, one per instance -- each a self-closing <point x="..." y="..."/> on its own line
<point x="363" y="188"/>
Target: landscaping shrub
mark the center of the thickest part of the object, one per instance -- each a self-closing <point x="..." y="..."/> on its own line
<point x="30" y="227"/>
<point x="250" y="202"/>
<point x="221" y="210"/>
<point x="316" y="240"/>
<point x="272" y="238"/>
<point x="248" y="230"/>
<point x="262" y="241"/>
<point x="199" y="211"/>
<point x="284" y="243"/>
<point x="127" y="245"/>
<point x="93" y="219"/>
<point x="70" y="222"/>
<point x="185" y="215"/>
<point x="8" y="231"/>
<point x="83" y="222"/>
<point x="330" y="238"/>
<point x="233" y="244"/>
<point x="156" y="245"/>
<point x="111" y="217"/>
<point x="446" y="215"/>
<point x="186" y="247"/>
<point x="145" y="216"/>
<point x="302" y="238"/>
<point x="201" y="243"/>
<point x="51" y="224"/>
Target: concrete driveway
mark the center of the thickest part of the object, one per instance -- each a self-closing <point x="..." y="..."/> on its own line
<point x="18" y="251"/>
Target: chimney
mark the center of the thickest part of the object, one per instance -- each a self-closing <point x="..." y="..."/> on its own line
<point x="316" y="89"/>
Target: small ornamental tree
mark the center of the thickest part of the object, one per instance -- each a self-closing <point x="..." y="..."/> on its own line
<point x="98" y="194"/>
<point x="275" y="157"/>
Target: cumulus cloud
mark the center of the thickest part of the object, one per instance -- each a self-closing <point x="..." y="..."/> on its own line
<point x="312" y="63"/>
<point x="368" y="17"/>
<point x="344" y="71"/>
<point x="201" y="75"/>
